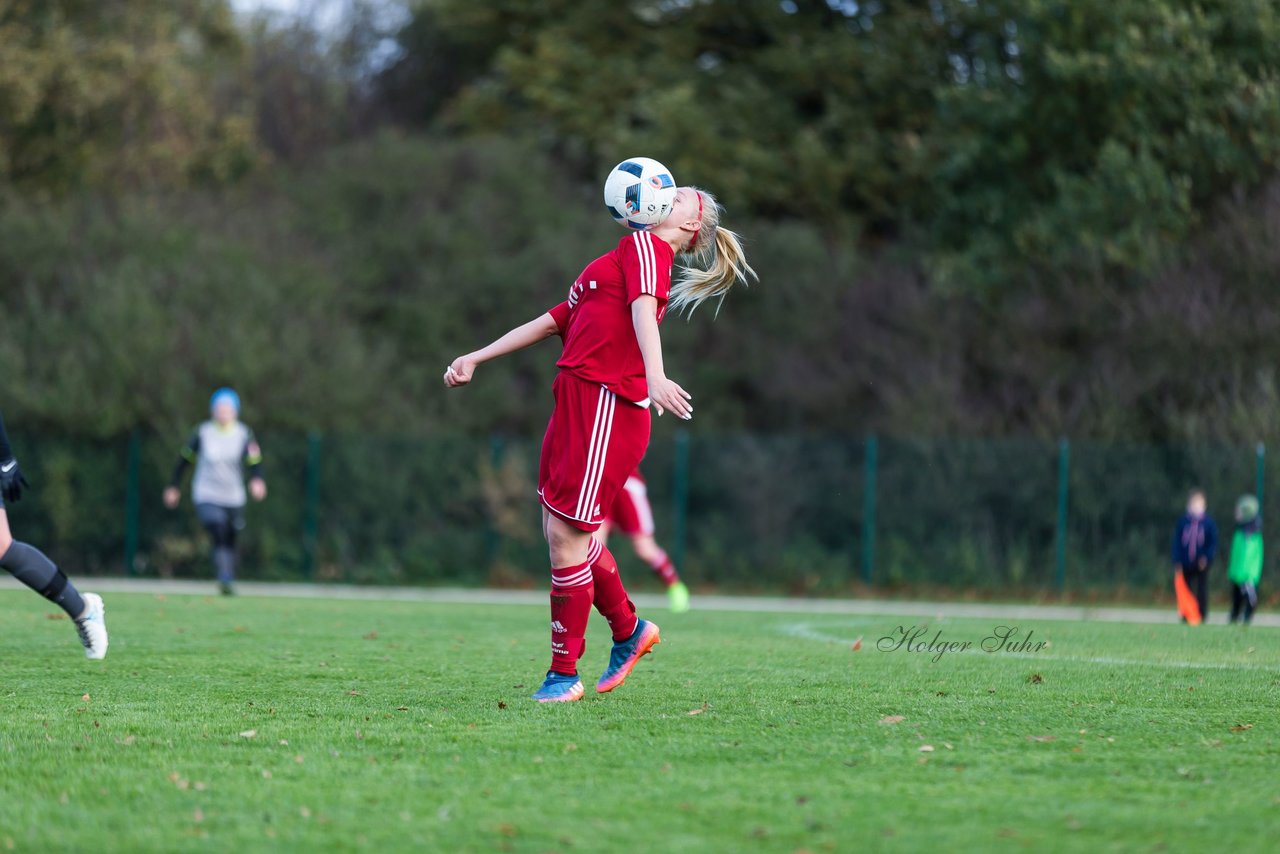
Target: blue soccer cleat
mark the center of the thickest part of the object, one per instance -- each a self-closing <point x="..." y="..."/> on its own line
<point x="626" y="653"/>
<point x="558" y="688"/>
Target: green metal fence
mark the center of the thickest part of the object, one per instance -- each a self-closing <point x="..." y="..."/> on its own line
<point x="800" y="514"/>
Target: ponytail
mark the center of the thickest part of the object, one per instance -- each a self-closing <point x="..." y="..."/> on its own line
<point x="718" y="261"/>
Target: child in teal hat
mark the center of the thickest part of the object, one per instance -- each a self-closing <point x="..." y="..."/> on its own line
<point x="1246" y="559"/>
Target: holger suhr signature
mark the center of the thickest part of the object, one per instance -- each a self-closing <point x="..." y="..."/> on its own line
<point x="916" y="639"/>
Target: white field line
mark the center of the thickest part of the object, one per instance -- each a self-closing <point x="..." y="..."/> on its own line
<point x="807" y="631"/>
<point x="652" y="601"/>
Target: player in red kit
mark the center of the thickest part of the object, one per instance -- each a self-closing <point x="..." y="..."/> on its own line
<point x="611" y="372"/>
<point x="631" y="515"/>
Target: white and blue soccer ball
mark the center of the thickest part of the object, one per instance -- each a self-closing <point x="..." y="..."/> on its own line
<point x="640" y="192"/>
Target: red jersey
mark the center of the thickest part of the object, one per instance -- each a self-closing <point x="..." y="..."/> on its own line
<point x="600" y="343"/>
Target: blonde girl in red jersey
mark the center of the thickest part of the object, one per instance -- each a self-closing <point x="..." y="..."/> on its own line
<point x="611" y="372"/>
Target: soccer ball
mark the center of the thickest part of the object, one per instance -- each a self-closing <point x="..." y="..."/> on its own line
<point x="639" y="192"/>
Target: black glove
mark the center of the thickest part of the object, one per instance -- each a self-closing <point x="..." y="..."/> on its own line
<point x="11" y="481"/>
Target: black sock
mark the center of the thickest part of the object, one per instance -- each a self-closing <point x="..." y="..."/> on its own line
<point x="30" y="566"/>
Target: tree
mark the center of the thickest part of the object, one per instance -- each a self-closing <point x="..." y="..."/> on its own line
<point x="1002" y="138"/>
<point x="126" y="93"/>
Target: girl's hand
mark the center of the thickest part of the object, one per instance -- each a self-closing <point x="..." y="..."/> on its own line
<point x="667" y="395"/>
<point x="460" y="372"/>
<point x="258" y="488"/>
<point x="171" y="497"/>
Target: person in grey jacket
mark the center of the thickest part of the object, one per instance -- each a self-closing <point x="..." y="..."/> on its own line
<point x="221" y="448"/>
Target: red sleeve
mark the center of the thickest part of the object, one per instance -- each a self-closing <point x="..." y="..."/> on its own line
<point x="646" y="266"/>
<point x="560" y="314"/>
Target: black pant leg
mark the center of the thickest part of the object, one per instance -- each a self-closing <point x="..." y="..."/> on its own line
<point x="1202" y="594"/>
<point x="1237" y="595"/>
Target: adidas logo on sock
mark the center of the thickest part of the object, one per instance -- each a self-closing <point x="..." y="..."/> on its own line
<point x="557" y="626"/>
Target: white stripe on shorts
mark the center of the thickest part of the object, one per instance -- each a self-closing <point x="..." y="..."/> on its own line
<point x="596" y="454"/>
<point x="640" y="501"/>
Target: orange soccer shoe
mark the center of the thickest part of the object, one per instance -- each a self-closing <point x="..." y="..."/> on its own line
<point x="626" y="653"/>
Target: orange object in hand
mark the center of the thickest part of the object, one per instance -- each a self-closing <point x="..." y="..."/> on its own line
<point x="1188" y="607"/>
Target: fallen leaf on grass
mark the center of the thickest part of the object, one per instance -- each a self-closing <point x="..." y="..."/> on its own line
<point x="857" y="644"/>
<point x="1042" y="738"/>
<point x="85" y="698"/>
<point x="1236" y="728"/>
<point x="353" y="693"/>
<point x="371" y="636"/>
<point x="57" y="616"/>
<point x="1035" y="678"/>
<point x="402" y="708"/>
<point x="698" y="710"/>
<point x="249" y="733"/>
<point x="926" y="748"/>
<point x="502" y="704"/>
<point x="892" y="719"/>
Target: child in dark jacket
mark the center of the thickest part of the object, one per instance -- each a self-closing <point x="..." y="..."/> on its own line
<point x="1245" y="569"/>
<point x="1195" y="544"/>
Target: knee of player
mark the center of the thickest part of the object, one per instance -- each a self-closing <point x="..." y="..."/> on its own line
<point x="6" y="540"/>
<point x="565" y="542"/>
<point x="646" y="546"/>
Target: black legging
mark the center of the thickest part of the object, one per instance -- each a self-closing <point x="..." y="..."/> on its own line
<point x="1242" y="603"/>
<point x="222" y="523"/>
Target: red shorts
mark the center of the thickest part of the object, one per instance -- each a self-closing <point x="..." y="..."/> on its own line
<point x="594" y="442"/>
<point x="630" y="512"/>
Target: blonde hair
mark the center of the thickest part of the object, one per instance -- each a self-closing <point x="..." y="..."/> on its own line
<point x="718" y="261"/>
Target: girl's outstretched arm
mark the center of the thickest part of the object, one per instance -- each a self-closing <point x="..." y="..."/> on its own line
<point x="464" y="367"/>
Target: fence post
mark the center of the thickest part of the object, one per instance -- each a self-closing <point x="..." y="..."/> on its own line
<point x="680" y="497"/>
<point x="1060" y="535"/>
<point x="871" y="463"/>
<point x="132" y="502"/>
<point x="311" y="505"/>
<point x="492" y="537"/>
<point x="1260" y="476"/>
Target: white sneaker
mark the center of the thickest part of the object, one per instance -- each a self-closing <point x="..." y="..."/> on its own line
<point x="93" y="627"/>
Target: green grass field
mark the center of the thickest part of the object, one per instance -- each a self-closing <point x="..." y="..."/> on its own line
<point x="256" y="724"/>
